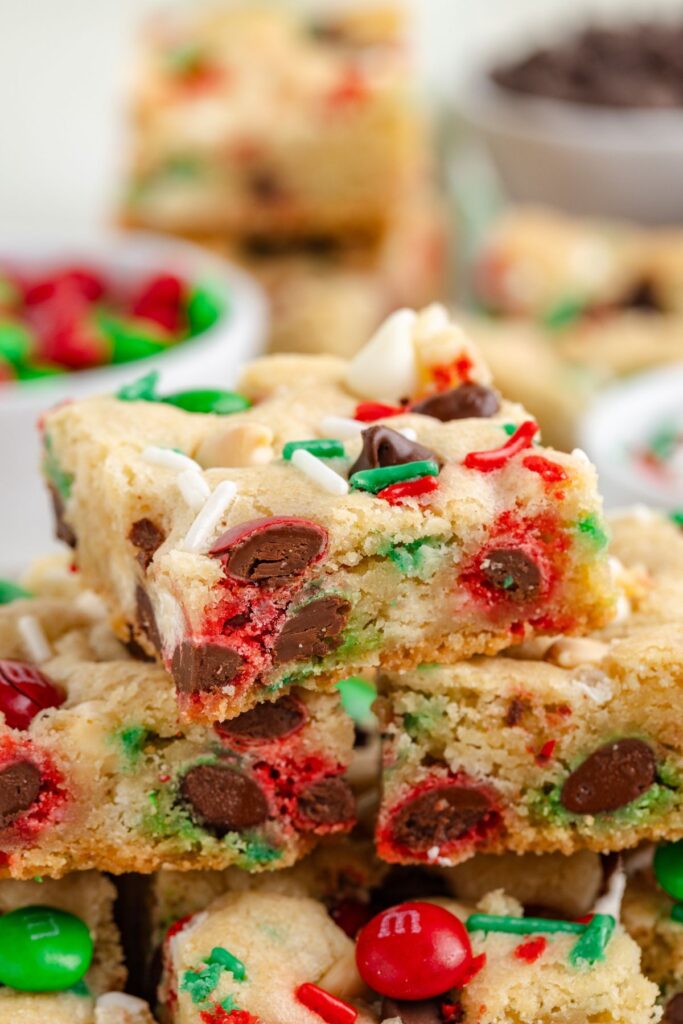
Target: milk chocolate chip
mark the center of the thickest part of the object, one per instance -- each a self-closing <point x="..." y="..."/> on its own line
<point x="313" y="631"/>
<point x="201" y="668"/>
<point x="512" y="571"/>
<point x="673" y="1011"/>
<point x="147" y="620"/>
<point x="19" y="788"/>
<point x="439" y="816"/>
<point x="469" y="401"/>
<point x="422" y="1011"/>
<point x="613" y="776"/>
<point x="266" y="721"/>
<point x="271" y="551"/>
<point x="327" y="802"/>
<point x="62" y="529"/>
<point x="383" y="446"/>
<point x="146" y="537"/>
<point x="223" y="799"/>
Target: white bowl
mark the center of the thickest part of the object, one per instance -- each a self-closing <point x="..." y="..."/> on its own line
<point x="593" y="161"/>
<point x="620" y="421"/>
<point x="212" y="358"/>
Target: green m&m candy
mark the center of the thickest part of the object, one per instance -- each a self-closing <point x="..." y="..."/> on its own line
<point x="668" y="867"/>
<point x="43" y="949"/>
<point x="10" y="591"/>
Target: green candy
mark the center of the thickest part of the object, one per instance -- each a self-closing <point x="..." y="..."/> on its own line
<point x="357" y="697"/>
<point x="144" y="389"/>
<point x="222" y="403"/>
<point x="668" y="865"/>
<point x="203" y="309"/>
<point x="677" y="913"/>
<point x="375" y="480"/>
<point x="43" y="949"/>
<point x="676" y="518"/>
<point x="326" y="448"/>
<point x="10" y="591"/>
<point x="128" y="339"/>
<point x="15" y="342"/>
<point x="38" y="371"/>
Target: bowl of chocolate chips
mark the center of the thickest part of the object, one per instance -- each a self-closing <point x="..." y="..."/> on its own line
<point x="592" y="124"/>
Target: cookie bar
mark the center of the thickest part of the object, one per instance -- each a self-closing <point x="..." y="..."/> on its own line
<point x="96" y="772"/>
<point x="386" y="511"/>
<point x="255" y="121"/>
<point x="440" y="961"/>
<point x="60" y="956"/>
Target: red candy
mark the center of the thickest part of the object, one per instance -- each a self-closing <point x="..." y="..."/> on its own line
<point x="368" y="412"/>
<point x="327" y="1006"/>
<point x="24" y="691"/>
<point x="414" y="951"/>
<point x="161" y="301"/>
<point x="397" y="493"/>
<point x="496" y="458"/>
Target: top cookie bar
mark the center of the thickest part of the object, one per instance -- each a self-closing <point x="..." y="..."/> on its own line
<point x="388" y="511"/>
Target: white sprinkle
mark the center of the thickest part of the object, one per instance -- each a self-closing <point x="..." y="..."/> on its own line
<point x="91" y="604"/>
<point x="341" y="427"/>
<point x="316" y="470"/>
<point x="610" y="901"/>
<point x="202" y="529"/>
<point x="193" y="487"/>
<point x="580" y="455"/>
<point x="433" y="853"/>
<point x="121" y="1001"/>
<point x="34" y="638"/>
<point x="409" y="433"/>
<point x="170" y="459"/>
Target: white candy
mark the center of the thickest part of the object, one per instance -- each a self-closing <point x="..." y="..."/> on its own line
<point x="193" y="487"/>
<point x="316" y="470"/>
<point x="201" y="532"/>
<point x="169" y="459"/>
<point x="341" y="427"/>
<point x="35" y="641"/>
<point x="386" y="368"/>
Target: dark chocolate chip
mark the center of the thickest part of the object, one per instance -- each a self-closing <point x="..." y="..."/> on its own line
<point x="439" y="816"/>
<point x="147" y="620"/>
<point x="327" y="802"/>
<point x="201" y="668"/>
<point x="19" y="789"/>
<point x="614" y="775"/>
<point x="422" y="1011"/>
<point x="313" y="631"/>
<point x="223" y="799"/>
<point x="147" y="538"/>
<point x="62" y="529"/>
<point x="469" y="401"/>
<point x="267" y="721"/>
<point x="512" y="571"/>
<point x="408" y="883"/>
<point x="515" y="712"/>
<point x="383" y="446"/>
<point x="673" y="1011"/>
<point x="270" y="551"/>
<point x="134" y="648"/>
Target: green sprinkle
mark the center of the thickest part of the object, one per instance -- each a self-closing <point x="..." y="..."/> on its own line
<point x="128" y="339"/>
<point x="592" y="944"/>
<point x="228" y="961"/>
<point x="203" y="310"/>
<point x="375" y="480"/>
<point x="229" y="1004"/>
<point x="10" y="591"/>
<point x="509" y="428"/>
<point x="222" y="403"/>
<point x="327" y="448"/>
<point x="357" y="697"/>
<point x="677" y="913"/>
<point x="564" y="313"/>
<point x="144" y="389"/>
<point x="591" y="527"/>
<point x="521" y="925"/>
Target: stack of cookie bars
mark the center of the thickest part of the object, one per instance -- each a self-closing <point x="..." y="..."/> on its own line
<point x="293" y="143"/>
<point x="171" y="710"/>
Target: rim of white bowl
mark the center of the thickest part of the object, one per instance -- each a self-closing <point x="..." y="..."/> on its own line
<point x="247" y="308"/>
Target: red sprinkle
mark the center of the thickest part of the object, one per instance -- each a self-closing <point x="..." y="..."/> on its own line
<point x="496" y="458"/>
<point x="546" y="751"/>
<point x="550" y="471"/>
<point x="397" y="493"/>
<point x="531" y="950"/>
<point x="352" y="88"/>
<point x="331" y="1009"/>
<point x="368" y="412"/>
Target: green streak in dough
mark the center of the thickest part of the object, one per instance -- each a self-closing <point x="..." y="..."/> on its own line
<point x="416" y="558"/>
<point x="59" y="478"/>
<point x="591" y="528"/>
<point x="132" y="739"/>
<point x="10" y="591"/>
<point x="655" y="802"/>
<point x="201" y="983"/>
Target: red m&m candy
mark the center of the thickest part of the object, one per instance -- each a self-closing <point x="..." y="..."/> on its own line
<point x="24" y="691"/>
<point x="414" y="951"/>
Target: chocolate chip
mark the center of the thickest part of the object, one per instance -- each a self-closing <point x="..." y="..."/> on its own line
<point x="62" y="529"/>
<point x="19" y="788"/>
<point x="313" y="631"/>
<point x="515" y="711"/>
<point x="223" y="799"/>
<point x="469" y="401"/>
<point x="201" y="668"/>
<point x="134" y="648"/>
<point x="422" y="1011"/>
<point x="673" y="1011"/>
<point x="408" y="883"/>
<point x="614" y="775"/>
<point x="270" y="551"/>
<point x="439" y="816"/>
<point x="146" y="619"/>
<point x="267" y="721"/>
<point x="643" y="297"/>
<point x="327" y="802"/>
<point x="265" y="187"/>
<point x="546" y="912"/>
<point x="383" y="446"/>
<point x="147" y="538"/>
<point x="512" y="571"/>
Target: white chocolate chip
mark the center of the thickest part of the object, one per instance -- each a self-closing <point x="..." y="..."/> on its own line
<point x="573" y="651"/>
<point x="341" y="427"/>
<point x="34" y="639"/>
<point x="342" y="979"/>
<point x="386" y="368"/>
<point x="243" y="444"/>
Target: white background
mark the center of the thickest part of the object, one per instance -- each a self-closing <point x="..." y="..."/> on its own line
<point x="62" y="79"/>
